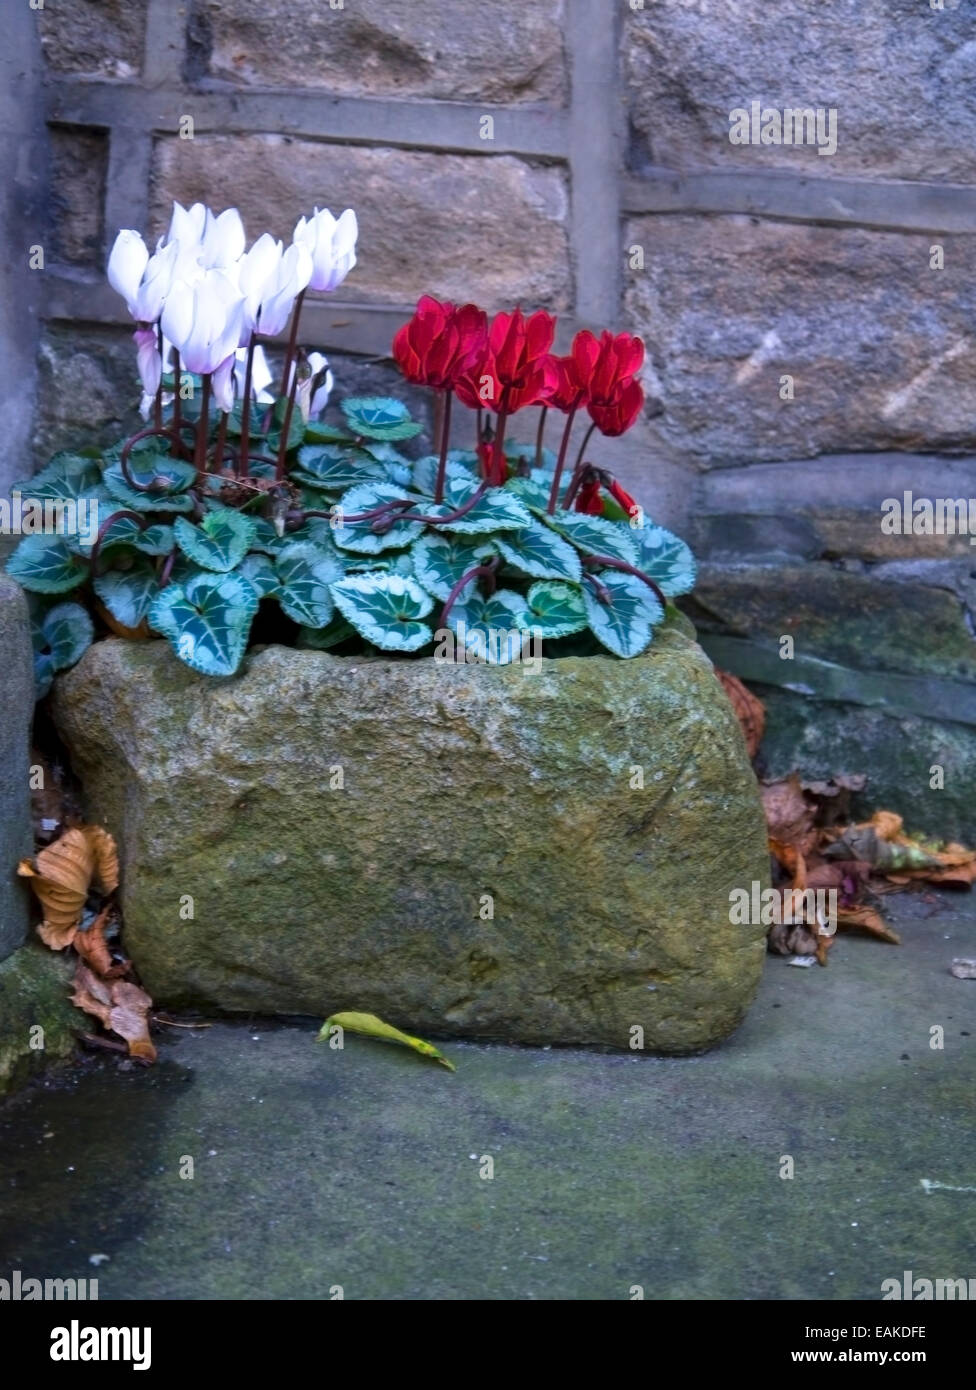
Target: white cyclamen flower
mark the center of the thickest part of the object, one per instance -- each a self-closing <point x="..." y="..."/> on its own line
<point x="203" y="320"/>
<point x="332" y="244"/>
<point x="127" y="264"/>
<point x="288" y="277"/>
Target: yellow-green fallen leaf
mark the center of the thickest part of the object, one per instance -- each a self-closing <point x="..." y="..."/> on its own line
<point x="372" y="1027"/>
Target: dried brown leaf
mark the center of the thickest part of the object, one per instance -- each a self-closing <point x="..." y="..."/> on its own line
<point x="789" y="817"/>
<point x="869" y="920"/>
<point x="750" y="710"/>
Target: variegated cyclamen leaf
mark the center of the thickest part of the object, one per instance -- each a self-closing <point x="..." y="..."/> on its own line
<point x="497" y="510"/>
<point x="207" y="620"/>
<point x="440" y="561"/>
<point x="259" y="571"/>
<point x="624" y="624"/>
<point x="333" y="469"/>
<point x="63" y="634"/>
<point x="386" y="609"/>
<point x="45" y="564"/>
<point x="322" y="639"/>
<point x="359" y="536"/>
<point x="128" y="593"/>
<point x="398" y="469"/>
<point x="66" y="476"/>
<point x="595" y="536"/>
<point x="665" y="557"/>
<point x="379" y="417"/>
<point x="460" y="464"/>
<point x="304" y="575"/>
<point x="555" y="609"/>
<point x="537" y="551"/>
<point x="490" y="629"/>
<point x="219" y="543"/>
<point x="125" y="496"/>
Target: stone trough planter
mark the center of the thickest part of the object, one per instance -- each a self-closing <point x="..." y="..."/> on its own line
<point x="465" y="850"/>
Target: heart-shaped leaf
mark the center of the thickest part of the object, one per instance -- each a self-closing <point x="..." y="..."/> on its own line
<point x="261" y="574"/>
<point x="460" y="464"/>
<point x="665" y="557"/>
<point x="333" y="469"/>
<point x="497" y="510"/>
<point x="207" y="620"/>
<point x="539" y="552"/>
<point x="358" y="536"/>
<point x="379" y="417"/>
<point x="304" y="575"/>
<point x="317" y="432"/>
<point x="60" y="637"/>
<point x="67" y="475"/>
<point x="625" y="623"/>
<point x="219" y="543"/>
<point x="554" y="609"/>
<point x="128" y="593"/>
<point x="45" y="564"/>
<point x="490" y="629"/>
<point x="594" y="536"/>
<point x="322" y="639"/>
<point x="440" y="561"/>
<point x="386" y="609"/>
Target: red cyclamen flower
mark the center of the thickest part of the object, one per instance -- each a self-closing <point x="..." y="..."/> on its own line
<point x="588" y="498"/>
<point x="573" y="373"/>
<point x="617" y="416"/>
<point x="441" y="342"/>
<point x="623" y="498"/>
<point x="618" y="361"/>
<point x="517" y="369"/>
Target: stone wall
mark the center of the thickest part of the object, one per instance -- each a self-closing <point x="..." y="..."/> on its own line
<point x="808" y="318"/>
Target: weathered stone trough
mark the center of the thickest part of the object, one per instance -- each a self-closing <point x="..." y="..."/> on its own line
<point x="465" y="850"/>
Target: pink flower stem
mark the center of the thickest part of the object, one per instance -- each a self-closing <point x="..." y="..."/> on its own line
<point x="445" y="436"/>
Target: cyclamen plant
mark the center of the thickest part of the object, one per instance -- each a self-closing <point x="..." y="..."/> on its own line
<point x="236" y="504"/>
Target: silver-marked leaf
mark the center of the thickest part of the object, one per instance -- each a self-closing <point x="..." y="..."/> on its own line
<point x="386" y="609"/>
<point x="398" y="469"/>
<point x="63" y="635"/>
<point x="665" y="557"/>
<point x="304" y="575"/>
<point x="359" y="536"/>
<point x="460" y="464"/>
<point x="157" y="539"/>
<point x="128" y="593"/>
<point x="379" y="417"/>
<point x="539" y="552"/>
<point x="207" y="620"/>
<point x="333" y="469"/>
<point x="595" y="536"/>
<point x="490" y="629"/>
<point x="555" y="609"/>
<point x="318" y="432"/>
<point x="261" y="574"/>
<point x="45" y="564"/>
<point x="497" y="510"/>
<point x="440" y="561"/>
<point x="125" y="496"/>
<point x="624" y="624"/>
<point x="219" y="543"/>
<point x="533" y="491"/>
<point x="66" y="476"/>
<point x="167" y="480"/>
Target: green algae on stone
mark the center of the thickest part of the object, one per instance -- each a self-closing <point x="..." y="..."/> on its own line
<point x="35" y="985"/>
<point x="463" y="850"/>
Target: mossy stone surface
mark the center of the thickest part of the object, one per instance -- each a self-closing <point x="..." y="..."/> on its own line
<point x="464" y="850"/>
<point x="35" y="985"/>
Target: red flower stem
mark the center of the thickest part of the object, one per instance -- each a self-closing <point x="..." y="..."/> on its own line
<point x="293" y="338"/>
<point x="461" y="511"/>
<point x="286" y="425"/>
<point x="609" y="562"/>
<point x="473" y="573"/>
<point x="582" y="448"/>
<point x="167" y="569"/>
<point x="540" y="432"/>
<point x="447" y="398"/>
<point x="127" y="450"/>
<point x="221" y="441"/>
<point x="561" y="463"/>
<point x="158" y="410"/>
<point x="97" y="546"/>
<point x="246" y="410"/>
<point x="579" y="472"/>
<point x="601" y="590"/>
<point x="177" y="403"/>
<point x="501" y="420"/>
<point x="203" y="427"/>
<point x="479" y="427"/>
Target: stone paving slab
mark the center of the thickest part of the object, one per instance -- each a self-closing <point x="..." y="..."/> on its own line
<point x="361" y="1168"/>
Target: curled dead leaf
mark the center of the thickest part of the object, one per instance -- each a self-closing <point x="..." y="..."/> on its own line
<point x="92" y="946"/>
<point x="62" y="874"/>
<point x="789" y="816"/>
<point x="120" y="1006"/>
<point x="869" y="920"/>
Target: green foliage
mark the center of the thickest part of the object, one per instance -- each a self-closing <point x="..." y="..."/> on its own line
<point x="347" y="551"/>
